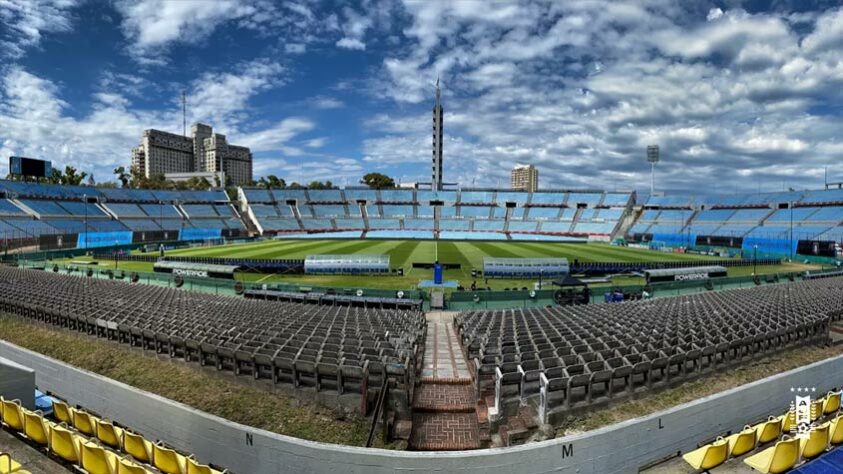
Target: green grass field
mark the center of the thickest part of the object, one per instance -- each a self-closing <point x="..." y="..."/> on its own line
<point x="403" y="253"/>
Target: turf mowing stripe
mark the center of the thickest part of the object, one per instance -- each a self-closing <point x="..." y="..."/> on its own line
<point x="560" y="252"/>
<point x="401" y="253"/>
<point x="335" y="247"/>
<point x="226" y="250"/>
<point x="493" y="250"/>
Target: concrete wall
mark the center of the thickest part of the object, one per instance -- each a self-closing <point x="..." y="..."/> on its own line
<point x="17" y="383"/>
<point x="620" y="448"/>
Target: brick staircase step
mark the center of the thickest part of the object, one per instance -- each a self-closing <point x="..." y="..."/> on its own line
<point x="445" y="398"/>
<point x="444" y="432"/>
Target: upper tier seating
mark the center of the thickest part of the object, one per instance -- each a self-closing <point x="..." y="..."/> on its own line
<point x="329" y="348"/>
<point x="397" y="209"/>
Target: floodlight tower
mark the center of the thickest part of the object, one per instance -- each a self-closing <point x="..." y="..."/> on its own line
<point x="652" y="158"/>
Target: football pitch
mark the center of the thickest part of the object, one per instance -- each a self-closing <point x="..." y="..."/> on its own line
<point x="403" y="253"/>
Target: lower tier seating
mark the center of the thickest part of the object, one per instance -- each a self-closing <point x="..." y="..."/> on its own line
<point x="562" y="358"/>
<point x="339" y="349"/>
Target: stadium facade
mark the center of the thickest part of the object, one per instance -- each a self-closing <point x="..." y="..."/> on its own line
<point x="161" y="153"/>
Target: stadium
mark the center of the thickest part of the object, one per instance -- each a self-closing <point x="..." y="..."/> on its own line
<point x="417" y="321"/>
<point x="189" y="319"/>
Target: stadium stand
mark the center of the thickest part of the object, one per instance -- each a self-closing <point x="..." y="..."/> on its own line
<point x="565" y="358"/>
<point x="776" y="445"/>
<point x="772" y="223"/>
<point x="93" y="444"/>
<point x="105" y="216"/>
<point x="339" y="349"/>
<point x="478" y="214"/>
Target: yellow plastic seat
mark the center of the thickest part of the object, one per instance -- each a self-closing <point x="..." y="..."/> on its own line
<point x="9" y="465"/>
<point x="704" y="458"/>
<point x="12" y="414"/>
<point x="127" y="466"/>
<point x="743" y="442"/>
<point x="788" y="421"/>
<point x="769" y="430"/>
<point x="138" y="447"/>
<point x="84" y="422"/>
<point x="168" y="460"/>
<point x="64" y="443"/>
<point x="109" y="434"/>
<point x="62" y="412"/>
<point x="776" y="459"/>
<point x="815" y="443"/>
<point x="96" y="460"/>
<point x="817" y="409"/>
<point x="835" y="432"/>
<point x="831" y="403"/>
<point x="35" y="427"/>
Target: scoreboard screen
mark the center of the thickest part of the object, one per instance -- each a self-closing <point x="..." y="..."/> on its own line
<point x="20" y="166"/>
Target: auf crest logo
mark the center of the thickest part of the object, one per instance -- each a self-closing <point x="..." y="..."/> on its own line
<point x="802" y="411"/>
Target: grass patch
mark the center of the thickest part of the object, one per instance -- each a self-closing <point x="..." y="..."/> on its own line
<point x="250" y="406"/>
<point x="702" y="387"/>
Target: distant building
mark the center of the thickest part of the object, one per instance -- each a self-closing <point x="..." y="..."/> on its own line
<point x="525" y="178"/>
<point x="205" y="152"/>
<point x="412" y="185"/>
<point x="436" y="182"/>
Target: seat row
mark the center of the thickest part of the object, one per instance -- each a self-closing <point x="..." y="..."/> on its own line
<point x="342" y="349"/>
<point x="95" y="445"/>
<point x="570" y="356"/>
<point x="787" y="451"/>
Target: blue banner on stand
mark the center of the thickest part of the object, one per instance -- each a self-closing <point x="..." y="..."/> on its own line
<point x="103" y="239"/>
<point x="200" y="234"/>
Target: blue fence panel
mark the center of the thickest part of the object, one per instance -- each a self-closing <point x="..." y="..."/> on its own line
<point x="768" y="245"/>
<point x="676" y="240"/>
<point x="103" y="239"/>
<point x="200" y="234"/>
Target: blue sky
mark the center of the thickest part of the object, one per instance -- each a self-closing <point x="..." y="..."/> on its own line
<point x="739" y="95"/>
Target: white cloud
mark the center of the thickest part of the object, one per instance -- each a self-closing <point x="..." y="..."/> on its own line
<point x="221" y="98"/>
<point x="580" y="89"/>
<point x="25" y="22"/>
<point x="36" y="121"/>
<point x="351" y="43"/>
<point x="277" y="136"/>
<point x="326" y="103"/>
<point x="828" y="33"/>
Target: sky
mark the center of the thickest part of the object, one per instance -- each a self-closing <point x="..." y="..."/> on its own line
<point x="739" y="95"/>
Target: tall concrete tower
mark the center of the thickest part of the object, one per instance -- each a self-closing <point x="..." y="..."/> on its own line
<point x="436" y="182"/>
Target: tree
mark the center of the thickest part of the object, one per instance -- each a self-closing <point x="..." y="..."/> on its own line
<point x="378" y="181"/>
<point x="197" y="183"/>
<point x="321" y="185"/>
<point x="272" y="181"/>
<point x="72" y="177"/>
<point x="123" y="176"/>
<point x="295" y="186"/>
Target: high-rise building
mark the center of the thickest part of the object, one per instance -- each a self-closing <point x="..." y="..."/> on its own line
<point x="436" y="182"/>
<point x="204" y="152"/>
<point x="525" y="178"/>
